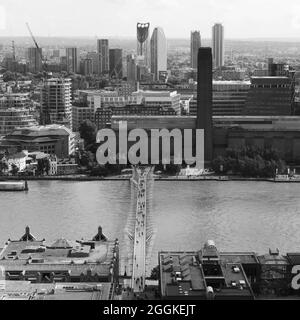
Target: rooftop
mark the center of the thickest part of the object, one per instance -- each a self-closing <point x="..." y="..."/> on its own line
<point x="184" y="274"/>
<point x="25" y="290"/>
<point x="36" y="131"/>
<point x="239" y="257"/>
<point x="75" y="257"/>
<point x="181" y="275"/>
<point x="234" y="83"/>
<point x="293" y="258"/>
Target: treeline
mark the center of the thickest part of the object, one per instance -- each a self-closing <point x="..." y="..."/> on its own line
<point x="250" y="162"/>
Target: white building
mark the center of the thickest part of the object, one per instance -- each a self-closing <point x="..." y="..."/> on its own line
<point x="159" y="98"/>
<point x="158" y="49"/>
<point x="18" y="159"/>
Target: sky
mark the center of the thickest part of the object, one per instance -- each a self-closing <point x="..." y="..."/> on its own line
<point x="242" y="19"/>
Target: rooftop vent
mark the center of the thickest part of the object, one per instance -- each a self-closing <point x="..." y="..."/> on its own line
<point x="236" y="269"/>
<point x="274" y="252"/>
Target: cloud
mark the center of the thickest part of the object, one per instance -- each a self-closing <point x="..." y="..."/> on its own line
<point x="2" y="18"/>
<point x="295" y="21"/>
<point x="241" y="18"/>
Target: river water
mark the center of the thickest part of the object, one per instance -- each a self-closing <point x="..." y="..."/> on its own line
<point x="238" y="216"/>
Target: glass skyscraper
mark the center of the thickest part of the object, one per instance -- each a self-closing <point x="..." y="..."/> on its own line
<point x="158" y="49"/>
<point x="103" y="51"/>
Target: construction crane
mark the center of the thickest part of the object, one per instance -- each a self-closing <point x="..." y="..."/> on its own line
<point x="46" y="117"/>
<point x="44" y="63"/>
<point x="13" y="50"/>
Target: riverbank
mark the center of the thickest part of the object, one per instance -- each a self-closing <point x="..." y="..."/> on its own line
<point x="63" y="178"/>
<point x="84" y="178"/>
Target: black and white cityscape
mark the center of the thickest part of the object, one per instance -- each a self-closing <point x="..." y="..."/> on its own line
<point x="89" y="90"/>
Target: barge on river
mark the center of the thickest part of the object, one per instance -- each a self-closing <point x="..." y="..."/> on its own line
<point x="13" y="186"/>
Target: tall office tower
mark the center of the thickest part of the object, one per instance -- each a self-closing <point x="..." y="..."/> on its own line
<point x="218" y="45"/>
<point x="35" y="60"/>
<point x="103" y="51"/>
<point x="115" y="63"/>
<point x="95" y="57"/>
<point x="86" y="67"/>
<point x="72" y="60"/>
<point x="195" y="45"/>
<point x="204" y="99"/>
<point x="131" y="68"/>
<point x="143" y="42"/>
<point x="56" y="105"/>
<point x="158" y="48"/>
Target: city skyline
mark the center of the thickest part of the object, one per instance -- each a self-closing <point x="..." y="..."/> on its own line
<point x="241" y="18"/>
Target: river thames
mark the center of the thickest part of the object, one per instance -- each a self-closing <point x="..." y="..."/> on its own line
<point x="238" y="216"/>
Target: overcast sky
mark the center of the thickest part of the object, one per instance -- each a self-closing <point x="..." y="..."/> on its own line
<point x="110" y="18"/>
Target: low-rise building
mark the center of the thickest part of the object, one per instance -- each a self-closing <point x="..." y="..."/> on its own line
<point x="87" y="102"/>
<point x="202" y="275"/>
<point x="84" y="261"/>
<point x="18" y="160"/>
<point x="159" y="98"/>
<point x="61" y="270"/>
<point x="272" y="95"/>
<point x="229" y="98"/>
<point x="103" y="116"/>
<point x="51" y="139"/>
<point x="66" y="167"/>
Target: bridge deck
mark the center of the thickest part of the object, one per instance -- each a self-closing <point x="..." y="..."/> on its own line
<point x="140" y="229"/>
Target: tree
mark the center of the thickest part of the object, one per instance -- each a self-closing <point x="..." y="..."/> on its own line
<point x="8" y="76"/>
<point x="219" y="165"/>
<point x="173" y="169"/>
<point x="86" y="159"/>
<point x="249" y="161"/>
<point x="3" y="165"/>
<point x="99" y="171"/>
<point x="155" y="273"/>
<point x="88" y="131"/>
<point x="14" y="169"/>
<point x="43" y="166"/>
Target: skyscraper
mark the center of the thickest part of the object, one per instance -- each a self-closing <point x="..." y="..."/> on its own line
<point x="131" y="68"/>
<point x="35" y="60"/>
<point x="72" y="60"/>
<point x="143" y="42"/>
<point x="95" y="58"/>
<point x="56" y="105"/>
<point x="218" y="45"/>
<point x="158" y="49"/>
<point x="86" y="66"/>
<point x="204" y="100"/>
<point x="195" y="45"/>
<point x="103" y="50"/>
<point x="115" y="63"/>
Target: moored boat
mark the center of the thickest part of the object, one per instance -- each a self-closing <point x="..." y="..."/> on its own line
<point x="13" y="186"/>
